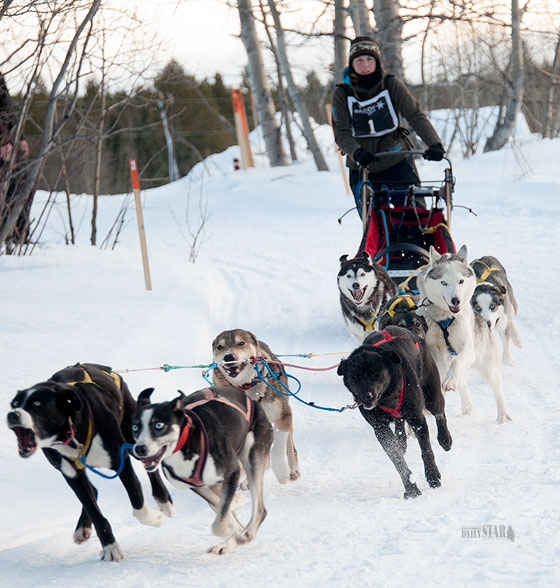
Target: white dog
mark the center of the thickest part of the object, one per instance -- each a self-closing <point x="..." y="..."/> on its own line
<point x="458" y="337"/>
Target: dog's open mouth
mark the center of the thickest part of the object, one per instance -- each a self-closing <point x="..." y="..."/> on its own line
<point x="26" y="441"/>
<point x="358" y="294"/>
<point x="232" y="368"/>
<point x="152" y="462"/>
<point x="454" y="309"/>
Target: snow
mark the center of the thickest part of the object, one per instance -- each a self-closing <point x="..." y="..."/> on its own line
<point x="268" y="264"/>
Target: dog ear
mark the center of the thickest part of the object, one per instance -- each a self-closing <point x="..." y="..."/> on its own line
<point x="462" y="253"/>
<point x="179" y="402"/>
<point x="341" y="370"/>
<point x="367" y="256"/>
<point x="434" y="255"/>
<point x="343" y="259"/>
<point x="67" y="400"/>
<point x="502" y="289"/>
<point x="144" y="397"/>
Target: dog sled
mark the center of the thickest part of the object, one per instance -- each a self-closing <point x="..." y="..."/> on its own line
<point x="398" y="236"/>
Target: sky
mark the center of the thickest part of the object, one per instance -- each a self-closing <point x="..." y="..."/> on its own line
<point x="268" y="263"/>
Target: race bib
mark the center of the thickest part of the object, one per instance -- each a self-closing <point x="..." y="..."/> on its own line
<point x="373" y="117"/>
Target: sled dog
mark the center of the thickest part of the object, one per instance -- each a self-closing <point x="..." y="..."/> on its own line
<point x="364" y="287"/>
<point x="400" y="311"/>
<point x="393" y="377"/>
<point x="493" y="298"/>
<point x="458" y="337"/>
<point x="81" y="417"/>
<point x="202" y="441"/>
<point x="234" y="352"/>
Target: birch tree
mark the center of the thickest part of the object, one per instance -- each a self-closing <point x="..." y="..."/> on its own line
<point x="340" y="41"/>
<point x="514" y="86"/>
<point x="389" y="27"/>
<point x="259" y="86"/>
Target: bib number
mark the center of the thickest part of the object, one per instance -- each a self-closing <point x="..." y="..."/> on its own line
<point x="374" y="117"/>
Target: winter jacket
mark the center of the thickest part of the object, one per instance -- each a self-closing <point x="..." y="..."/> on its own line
<point x="404" y="104"/>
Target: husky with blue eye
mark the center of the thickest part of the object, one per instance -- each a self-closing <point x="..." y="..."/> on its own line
<point x="458" y="337"/>
<point x="495" y="301"/>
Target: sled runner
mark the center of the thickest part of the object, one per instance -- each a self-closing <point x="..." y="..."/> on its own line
<point x="400" y="224"/>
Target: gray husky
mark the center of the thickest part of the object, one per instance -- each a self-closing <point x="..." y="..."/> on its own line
<point x="458" y="337"/>
<point x="493" y="298"/>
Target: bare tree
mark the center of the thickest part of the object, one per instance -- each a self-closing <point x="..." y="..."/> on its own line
<point x="293" y="92"/>
<point x="259" y="86"/>
<point x="389" y="27"/>
<point x="340" y="40"/>
<point x="360" y="17"/>
<point x="514" y="87"/>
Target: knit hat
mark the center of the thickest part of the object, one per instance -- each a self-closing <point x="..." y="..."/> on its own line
<point x="364" y="46"/>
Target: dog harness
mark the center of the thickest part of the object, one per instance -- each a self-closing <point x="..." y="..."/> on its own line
<point x="191" y="415"/>
<point x="444" y="326"/>
<point x="368" y="325"/>
<point x="396" y="412"/>
<point x="406" y="298"/>
<point x="83" y="448"/>
<point x="487" y="271"/>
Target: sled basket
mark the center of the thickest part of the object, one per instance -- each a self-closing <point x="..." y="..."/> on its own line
<point x="399" y="237"/>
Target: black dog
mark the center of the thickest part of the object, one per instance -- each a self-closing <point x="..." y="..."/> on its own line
<point x="82" y="416"/>
<point x="400" y="311"/>
<point x="202" y="441"/>
<point x="393" y="377"/>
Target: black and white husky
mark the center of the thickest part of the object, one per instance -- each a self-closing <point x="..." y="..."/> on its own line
<point x="494" y="300"/>
<point x="203" y="441"/>
<point x="364" y="288"/>
<point x="458" y="337"/>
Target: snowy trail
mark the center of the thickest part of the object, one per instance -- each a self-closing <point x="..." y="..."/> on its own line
<point x="270" y="266"/>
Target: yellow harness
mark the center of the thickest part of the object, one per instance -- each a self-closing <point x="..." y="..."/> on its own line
<point x="83" y="448"/>
<point x="484" y="276"/>
<point x="391" y="310"/>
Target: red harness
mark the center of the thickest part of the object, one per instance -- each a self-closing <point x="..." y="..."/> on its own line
<point x="396" y="412"/>
<point x="196" y="478"/>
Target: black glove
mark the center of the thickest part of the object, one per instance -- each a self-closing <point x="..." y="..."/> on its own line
<point x="434" y="152"/>
<point x="363" y="157"/>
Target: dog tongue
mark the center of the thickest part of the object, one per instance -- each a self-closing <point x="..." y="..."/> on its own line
<point x="358" y="294"/>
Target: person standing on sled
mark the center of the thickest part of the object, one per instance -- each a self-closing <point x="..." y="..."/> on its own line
<point x="367" y="108"/>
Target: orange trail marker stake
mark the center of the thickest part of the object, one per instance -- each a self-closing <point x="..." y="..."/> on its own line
<point x="140" y="219"/>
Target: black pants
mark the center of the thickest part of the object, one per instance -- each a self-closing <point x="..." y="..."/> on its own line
<point x="401" y="175"/>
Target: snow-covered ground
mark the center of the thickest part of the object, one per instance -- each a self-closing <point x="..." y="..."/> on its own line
<point x="269" y="263"/>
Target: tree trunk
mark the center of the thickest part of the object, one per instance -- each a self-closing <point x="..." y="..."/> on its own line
<point x="293" y="92"/>
<point x="98" y="159"/>
<point x="389" y="34"/>
<point x="514" y="94"/>
<point x="360" y="18"/>
<point x="259" y="87"/>
<point x="340" y="42"/>
<point x="548" y="129"/>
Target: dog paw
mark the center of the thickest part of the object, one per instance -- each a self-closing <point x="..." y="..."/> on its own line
<point x="244" y="486"/>
<point x="222" y="549"/>
<point x="503" y="418"/>
<point x="449" y="384"/>
<point x="294" y="475"/>
<point x="467" y="409"/>
<point x="147" y="515"/>
<point x="412" y="492"/>
<point x="445" y="441"/>
<point x="434" y="481"/>
<point x="112" y="552"/>
<point x="508" y="359"/>
<point x="167" y="508"/>
<point x="82" y="534"/>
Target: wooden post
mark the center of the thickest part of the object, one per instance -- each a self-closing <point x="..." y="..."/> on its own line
<point x="241" y="129"/>
<point x="328" y="108"/>
<point x="140" y="219"/>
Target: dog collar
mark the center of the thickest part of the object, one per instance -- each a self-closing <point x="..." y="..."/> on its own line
<point x="184" y="435"/>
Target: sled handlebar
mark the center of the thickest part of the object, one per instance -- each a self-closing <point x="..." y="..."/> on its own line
<point x="393" y="153"/>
